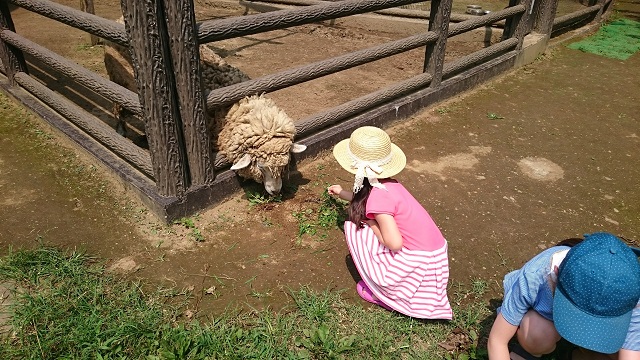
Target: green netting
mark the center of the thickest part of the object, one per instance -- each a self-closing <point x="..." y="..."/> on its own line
<point x="618" y="40"/>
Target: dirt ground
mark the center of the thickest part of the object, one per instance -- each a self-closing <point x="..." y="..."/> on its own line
<point x="546" y="152"/>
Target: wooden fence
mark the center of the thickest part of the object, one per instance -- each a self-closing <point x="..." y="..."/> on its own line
<point x="178" y="174"/>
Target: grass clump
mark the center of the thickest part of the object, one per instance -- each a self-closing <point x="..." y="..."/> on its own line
<point x="329" y="214"/>
<point x="65" y="306"/>
<point x="190" y="224"/>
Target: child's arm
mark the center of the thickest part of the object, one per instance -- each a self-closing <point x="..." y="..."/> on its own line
<point x="501" y="333"/>
<point x="386" y="229"/>
<point x="342" y="194"/>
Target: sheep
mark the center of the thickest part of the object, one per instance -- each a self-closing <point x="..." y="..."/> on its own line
<point x="254" y="135"/>
<point x="258" y="139"/>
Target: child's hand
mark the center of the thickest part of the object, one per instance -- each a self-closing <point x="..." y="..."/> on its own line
<point x="338" y="191"/>
<point x="334" y="190"/>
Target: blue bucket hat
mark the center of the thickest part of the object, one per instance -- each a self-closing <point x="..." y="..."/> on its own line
<point x="598" y="288"/>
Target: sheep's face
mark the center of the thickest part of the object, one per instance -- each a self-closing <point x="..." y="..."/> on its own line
<point x="271" y="177"/>
<point x="267" y="170"/>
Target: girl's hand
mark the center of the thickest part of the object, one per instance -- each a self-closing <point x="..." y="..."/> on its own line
<point x="334" y="190"/>
<point x="338" y="191"/>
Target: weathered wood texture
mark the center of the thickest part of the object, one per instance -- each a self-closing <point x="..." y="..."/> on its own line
<point x="318" y="121"/>
<point x="134" y="179"/>
<point x="89" y="123"/>
<point x="478" y="57"/>
<point x="215" y="30"/>
<point x="144" y="21"/>
<point x="484" y="20"/>
<point x="603" y="5"/>
<point x="315" y="70"/>
<point x="87" y="6"/>
<point x="522" y="23"/>
<point x="544" y="13"/>
<point x="406" y="105"/>
<point x="181" y="25"/>
<point x="89" y="79"/>
<point x="574" y="17"/>
<point x="12" y="58"/>
<point x="166" y="208"/>
<point x="92" y="24"/>
<point x="399" y="12"/>
<point x="509" y="26"/>
<point x="434" y="53"/>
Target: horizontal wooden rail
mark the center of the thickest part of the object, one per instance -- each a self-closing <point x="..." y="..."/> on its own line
<point x="564" y="20"/>
<point x="479" y="56"/>
<point x="479" y="21"/>
<point x="112" y="91"/>
<point x="89" y="123"/>
<point x="308" y="72"/>
<point x="399" y="12"/>
<point x="351" y="108"/>
<point x="315" y="70"/>
<point x="215" y="30"/>
<point x="90" y="23"/>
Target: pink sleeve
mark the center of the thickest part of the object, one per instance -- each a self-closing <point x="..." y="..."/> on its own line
<point x="380" y="202"/>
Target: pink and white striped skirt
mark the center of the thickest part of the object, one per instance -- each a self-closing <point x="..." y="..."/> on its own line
<point x="412" y="282"/>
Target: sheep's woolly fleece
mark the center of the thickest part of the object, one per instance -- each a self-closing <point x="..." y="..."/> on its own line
<point x="260" y="129"/>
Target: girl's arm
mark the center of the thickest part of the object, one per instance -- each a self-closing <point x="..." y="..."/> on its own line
<point x="342" y="194"/>
<point x="501" y="333"/>
<point x="386" y="229"/>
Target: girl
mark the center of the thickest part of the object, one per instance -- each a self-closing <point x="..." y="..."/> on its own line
<point x="398" y="250"/>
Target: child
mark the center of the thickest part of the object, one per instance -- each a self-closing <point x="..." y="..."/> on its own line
<point x="587" y="294"/>
<point x="396" y="247"/>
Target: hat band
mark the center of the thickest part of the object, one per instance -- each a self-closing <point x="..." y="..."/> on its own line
<point x="369" y="169"/>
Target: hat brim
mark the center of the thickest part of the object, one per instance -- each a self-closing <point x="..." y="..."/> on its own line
<point x="600" y="334"/>
<point x="393" y="167"/>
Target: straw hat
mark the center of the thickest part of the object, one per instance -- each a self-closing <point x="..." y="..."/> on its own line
<point x="369" y="153"/>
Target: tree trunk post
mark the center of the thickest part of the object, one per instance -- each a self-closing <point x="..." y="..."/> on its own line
<point x="87" y="6"/>
<point x="149" y="43"/>
<point x="12" y="58"/>
<point x="183" y="43"/>
<point x="434" y="54"/>
<point x="544" y="13"/>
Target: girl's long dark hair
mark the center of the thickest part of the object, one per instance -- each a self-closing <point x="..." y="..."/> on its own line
<point x="358" y="206"/>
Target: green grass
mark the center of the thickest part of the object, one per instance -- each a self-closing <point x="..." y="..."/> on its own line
<point x="190" y="224"/>
<point x="67" y="307"/>
<point x="257" y="198"/>
<point x="329" y="214"/>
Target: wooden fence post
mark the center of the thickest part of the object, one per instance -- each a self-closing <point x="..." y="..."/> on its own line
<point x="12" y="58"/>
<point x="181" y="24"/>
<point x="520" y="25"/>
<point x="602" y="4"/>
<point x="544" y="13"/>
<point x="87" y="6"/>
<point x="149" y="43"/>
<point x="434" y="54"/>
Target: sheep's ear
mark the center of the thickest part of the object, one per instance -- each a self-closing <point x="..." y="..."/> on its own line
<point x="298" y="148"/>
<point x="242" y="163"/>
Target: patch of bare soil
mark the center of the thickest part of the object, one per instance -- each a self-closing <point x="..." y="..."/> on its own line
<point x="547" y="152"/>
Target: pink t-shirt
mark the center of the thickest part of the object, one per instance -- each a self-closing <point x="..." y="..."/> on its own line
<point x="418" y="230"/>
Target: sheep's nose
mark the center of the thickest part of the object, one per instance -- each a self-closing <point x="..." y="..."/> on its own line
<point x="272" y="190"/>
